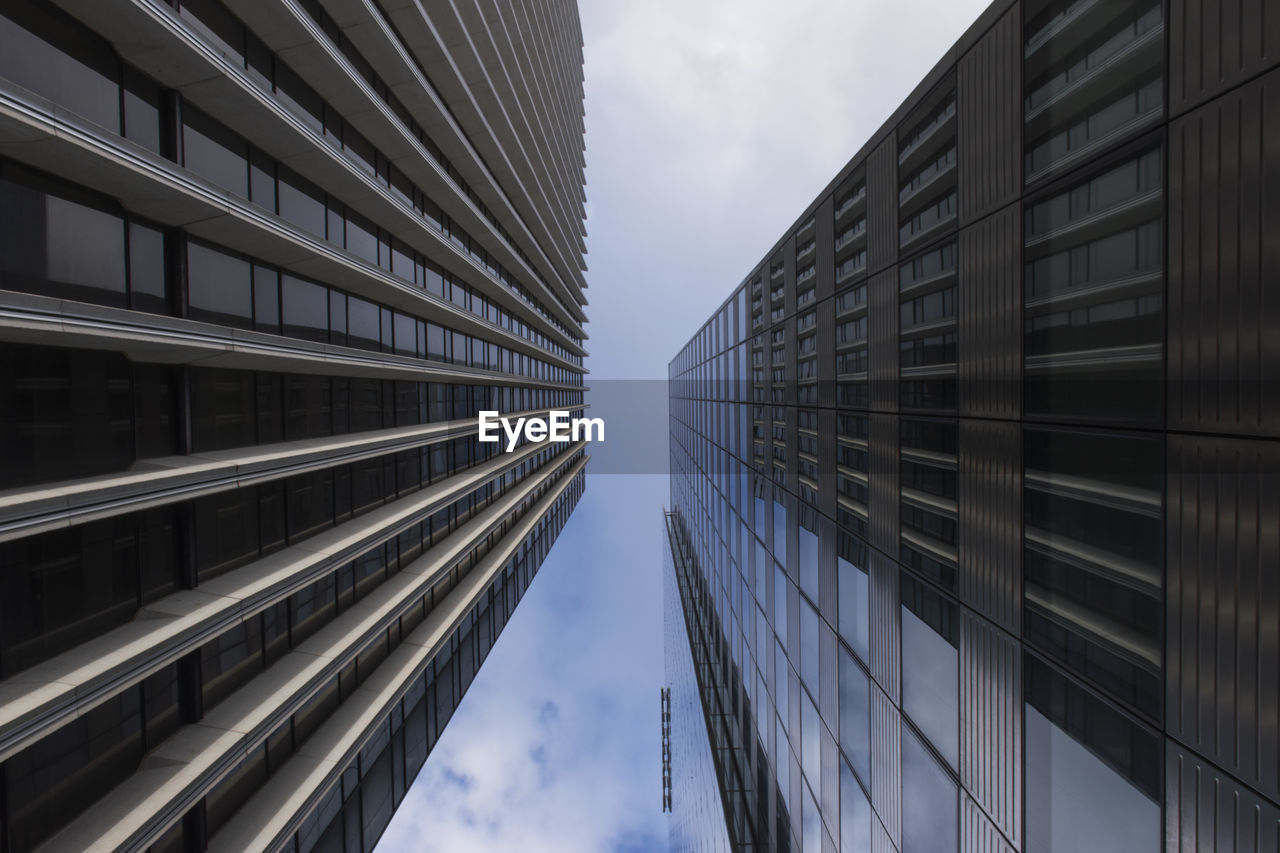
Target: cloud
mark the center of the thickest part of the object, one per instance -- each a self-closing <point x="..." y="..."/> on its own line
<point x="710" y="126"/>
<point x="556" y="746"/>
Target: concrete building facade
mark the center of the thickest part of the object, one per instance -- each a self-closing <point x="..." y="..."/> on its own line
<point x="976" y="470"/>
<point x="261" y="263"/>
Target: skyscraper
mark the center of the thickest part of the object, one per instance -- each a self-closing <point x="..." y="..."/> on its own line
<point x="261" y="263"/>
<point x="976" y="471"/>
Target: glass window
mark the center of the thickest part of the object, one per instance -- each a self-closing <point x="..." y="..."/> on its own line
<point x="930" y="800"/>
<point x="302" y="204"/>
<point x="55" y="56"/>
<point x="809" y="667"/>
<point x="1094" y="324"/>
<point x="1093" y="776"/>
<point x="811" y="821"/>
<point x="214" y="153"/>
<point x="222" y="409"/>
<point x="853" y="586"/>
<point x="305" y="307"/>
<point x="143" y="112"/>
<point x="930" y="666"/>
<point x="780" y="602"/>
<point x="79" y="245"/>
<point x="229" y="660"/>
<point x="779" y="530"/>
<point x="65" y="587"/>
<point x="147" y="281"/>
<point x="810" y="740"/>
<point x="76" y="764"/>
<point x="262" y="179"/>
<point x="855" y="814"/>
<point x="855" y="715"/>
<point x="220" y="287"/>
<point x="1094" y="557"/>
<point x="363" y="324"/>
<point x="362" y="240"/>
<point x="809" y="557"/>
<point x="266" y="299"/>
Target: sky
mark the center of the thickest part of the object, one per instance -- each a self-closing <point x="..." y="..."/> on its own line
<point x="711" y="125"/>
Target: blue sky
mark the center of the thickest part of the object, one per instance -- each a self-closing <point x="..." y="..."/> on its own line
<point x="711" y="124"/>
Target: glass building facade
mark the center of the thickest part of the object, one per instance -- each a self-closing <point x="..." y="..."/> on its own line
<point x="261" y="263"/>
<point x="977" y="472"/>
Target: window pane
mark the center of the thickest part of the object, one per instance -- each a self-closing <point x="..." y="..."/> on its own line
<point x="855" y="614"/>
<point x="930" y="667"/>
<point x="930" y="801"/>
<point x="301" y="203"/>
<point x="54" y="56"/>
<point x="305" y="308"/>
<point x="855" y="814"/>
<point x="855" y="715"/>
<point x="214" y="152"/>
<point x="219" y="285"/>
<point x="1092" y="775"/>
<point x="147" y="286"/>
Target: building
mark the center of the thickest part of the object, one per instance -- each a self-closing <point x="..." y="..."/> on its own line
<point x="694" y="676"/>
<point x="260" y="265"/>
<point x="976" y="469"/>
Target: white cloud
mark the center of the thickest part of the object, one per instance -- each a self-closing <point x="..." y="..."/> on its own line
<point x="556" y="745"/>
<point x="711" y="124"/>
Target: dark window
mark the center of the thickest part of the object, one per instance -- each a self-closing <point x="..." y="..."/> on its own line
<point x="55" y="56"/>
<point x="220" y="286"/>
<point x="226" y="531"/>
<point x="309" y="502"/>
<point x="222" y="409"/>
<point x="266" y="299"/>
<point x="364" y="329"/>
<point x="305" y="309"/>
<point x="64" y="587"/>
<point x="144" y="113"/>
<point x="64" y="772"/>
<point x="228" y="661"/>
<point x="148" y="286"/>
<point x="1094" y="557"/>
<point x="362" y="239"/>
<point x="235" y="790"/>
<point x="70" y="413"/>
<point x="215" y="153"/>
<point x="59" y="240"/>
<point x="218" y="26"/>
<point x="1085" y="757"/>
<point x="308" y="406"/>
<point x="302" y="204"/>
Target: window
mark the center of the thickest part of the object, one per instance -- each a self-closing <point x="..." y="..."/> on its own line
<point x="931" y="666"/>
<point x="853" y="588"/>
<point x="214" y="153"/>
<point x="930" y="800"/>
<point x="1093" y="90"/>
<point x="927" y="478"/>
<point x="58" y="240"/>
<point x="855" y="715"/>
<point x="55" y="56"/>
<point x="1094" y="314"/>
<point x="305" y="309"/>
<point x="1093" y="776"/>
<point x="1094" y="557"/>
<point x="220" y="286"/>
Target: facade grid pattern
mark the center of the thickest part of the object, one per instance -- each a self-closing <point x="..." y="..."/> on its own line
<point x="261" y="264"/>
<point x="985" y="506"/>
